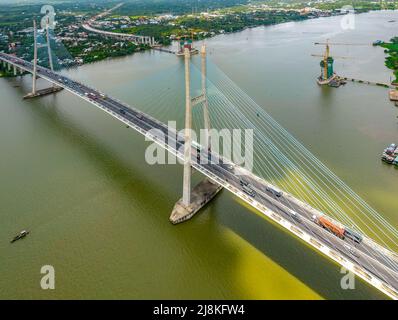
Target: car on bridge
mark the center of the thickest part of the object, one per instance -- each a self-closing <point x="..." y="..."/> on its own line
<point x="246" y="189"/>
<point x="295" y="216"/>
<point x="354" y="236"/>
<point x="243" y="183"/>
<point x="274" y="191"/>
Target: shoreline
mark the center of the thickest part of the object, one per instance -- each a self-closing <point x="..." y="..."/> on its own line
<point x="142" y="49"/>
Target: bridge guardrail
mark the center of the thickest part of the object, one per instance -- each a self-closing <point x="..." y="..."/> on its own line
<point x="302" y="234"/>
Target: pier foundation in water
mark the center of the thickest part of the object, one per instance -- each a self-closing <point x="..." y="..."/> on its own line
<point x="201" y="194"/>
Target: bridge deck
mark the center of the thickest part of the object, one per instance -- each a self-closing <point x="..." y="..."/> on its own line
<point x="371" y="262"/>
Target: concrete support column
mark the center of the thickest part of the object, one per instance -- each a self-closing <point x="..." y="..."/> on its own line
<point x="34" y="57"/>
<point x="50" y="58"/>
<point x="204" y="92"/>
<point x="186" y="197"/>
<point x="15" y="70"/>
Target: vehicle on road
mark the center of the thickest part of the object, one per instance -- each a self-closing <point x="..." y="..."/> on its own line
<point x="295" y="216"/>
<point x="274" y="191"/>
<point x="229" y="166"/>
<point x="122" y="111"/>
<point x="243" y="182"/>
<point x="354" y="236"/>
<point x="340" y="231"/>
<point x="20" y="235"/>
<point x="92" y="96"/>
<point x="180" y="138"/>
<point x="331" y="227"/>
<point x="249" y="191"/>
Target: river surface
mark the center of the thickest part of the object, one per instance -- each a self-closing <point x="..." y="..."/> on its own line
<point x="97" y="212"/>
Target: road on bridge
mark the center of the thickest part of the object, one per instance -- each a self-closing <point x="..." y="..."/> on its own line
<point x="368" y="260"/>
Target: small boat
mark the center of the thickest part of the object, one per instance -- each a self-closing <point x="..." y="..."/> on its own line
<point x="390" y="150"/>
<point x="388" y="159"/>
<point x="20" y="235"/>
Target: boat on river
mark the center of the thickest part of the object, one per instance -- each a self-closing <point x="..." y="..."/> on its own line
<point x="20" y="235"/>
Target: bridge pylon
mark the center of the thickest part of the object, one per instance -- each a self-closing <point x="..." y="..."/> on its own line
<point x="205" y="101"/>
<point x="194" y="199"/>
<point x="53" y="89"/>
<point x="50" y="58"/>
<point x="186" y="197"/>
<point x="34" y="76"/>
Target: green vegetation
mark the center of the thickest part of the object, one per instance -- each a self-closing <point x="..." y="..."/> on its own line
<point x="164" y="20"/>
<point x="359" y="6"/>
<point x="94" y="50"/>
<point x="175" y="7"/>
<point x="208" y="18"/>
<point x="4" y="74"/>
<point x="392" y="56"/>
<point x="76" y="46"/>
<point x="202" y="26"/>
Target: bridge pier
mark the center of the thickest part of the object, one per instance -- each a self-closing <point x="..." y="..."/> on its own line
<point x="201" y="194"/>
<point x="43" y="92"/>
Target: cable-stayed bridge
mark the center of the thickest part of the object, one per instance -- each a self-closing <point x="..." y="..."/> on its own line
<point x="375" y="263"/>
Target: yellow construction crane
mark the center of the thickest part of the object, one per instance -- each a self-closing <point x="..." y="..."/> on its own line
<point x="327" y="43"/>
<point x="327" y="63"/>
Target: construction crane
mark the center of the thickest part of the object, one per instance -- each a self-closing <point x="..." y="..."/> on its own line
<point x="327" y="74"/>
<point x="326" y="65"/>
<point x="340" y="44"/>
<point x="335" y="57"/>
<point x="185" y="42"/>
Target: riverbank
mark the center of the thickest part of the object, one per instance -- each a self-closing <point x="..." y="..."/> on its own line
<point x="392" y="57"/>
<point x="75" y="46"/>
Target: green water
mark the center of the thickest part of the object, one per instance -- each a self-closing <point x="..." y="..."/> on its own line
<point x="97" y="212"/>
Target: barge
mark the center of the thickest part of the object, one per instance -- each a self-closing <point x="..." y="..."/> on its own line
<point x="390" y="154"/>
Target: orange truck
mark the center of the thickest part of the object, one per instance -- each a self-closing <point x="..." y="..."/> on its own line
<point x="338" y="231"/>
